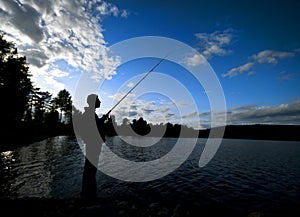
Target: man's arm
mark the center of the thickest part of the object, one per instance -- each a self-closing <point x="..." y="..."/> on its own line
<point x="103" y="118"/>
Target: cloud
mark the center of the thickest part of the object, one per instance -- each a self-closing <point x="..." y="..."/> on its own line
<point x="106" y="8"/>
<point x="156" y="112"/>
<point x="57" y="73"/>
<point x="239" y="70"/>
<point x="252" y="114"/>
<point x="266" y="56"/>
<point x="130" y="85"/>
<point x="194" y="60"/>
<point x="50" y="31"/>
<point x="214" y="44"/>
<point x="270" y="56"/>
<point x="284" y="76"/>
<point x="281" y="114"/>
<point x="297" y="50"/>
<point x="148" y="111"/>
<point x="246" y="114"/>
<point x="24" y="18"/>
<point x="152" y="111"/>
<point x="191" y="115"/>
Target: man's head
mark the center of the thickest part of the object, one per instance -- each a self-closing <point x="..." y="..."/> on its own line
<point x="93" y="101"/>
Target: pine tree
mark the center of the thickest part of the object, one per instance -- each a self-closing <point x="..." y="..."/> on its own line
<point x="63" y="102"/>
<point x="15" y="85"/>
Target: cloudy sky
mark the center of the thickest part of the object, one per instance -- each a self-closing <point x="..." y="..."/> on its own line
<point x="253" y="48"/>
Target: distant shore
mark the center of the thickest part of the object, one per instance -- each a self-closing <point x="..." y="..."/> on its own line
<point x="27" y="136"/>
<point x="259" y="132"/>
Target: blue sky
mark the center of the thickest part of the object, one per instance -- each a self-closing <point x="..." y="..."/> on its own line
<point x="253" y="47"/>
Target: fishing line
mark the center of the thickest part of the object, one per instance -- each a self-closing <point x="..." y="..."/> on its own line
<point x="151" y="70"/>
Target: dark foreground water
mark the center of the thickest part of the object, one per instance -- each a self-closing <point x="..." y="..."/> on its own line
<point x="245" y="176"/>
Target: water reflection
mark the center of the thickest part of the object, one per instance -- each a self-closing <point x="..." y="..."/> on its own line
<point x="244" y="174"/>
<point x="6" y="159"/>
<point x="33" y="170"/>
<point x="141" y="164"/>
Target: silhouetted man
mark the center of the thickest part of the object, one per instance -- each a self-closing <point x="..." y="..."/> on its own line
<point x="93" y="135"/>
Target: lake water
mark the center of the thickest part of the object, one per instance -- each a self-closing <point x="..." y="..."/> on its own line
<point x="244" y="174"/>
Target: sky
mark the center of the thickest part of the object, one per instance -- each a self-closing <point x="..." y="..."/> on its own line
<point x="252" y="47"/>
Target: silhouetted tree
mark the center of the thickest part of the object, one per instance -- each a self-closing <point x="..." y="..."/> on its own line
<point x="51" y="119"/>
<point x="15" y="85"/>
<point x="63" y="102"/>
<point x="41" y="103"/>
<point x="140" y="126"/>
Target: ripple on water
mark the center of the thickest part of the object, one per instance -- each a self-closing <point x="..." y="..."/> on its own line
<point x="244" y="174"/>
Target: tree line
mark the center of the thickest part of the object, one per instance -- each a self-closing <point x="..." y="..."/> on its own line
<point x="143" y="128"/>
<point x="26" y="110"/>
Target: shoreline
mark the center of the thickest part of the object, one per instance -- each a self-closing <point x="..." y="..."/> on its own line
<point x="27" y="136"/>
<point x="11" y="146"/>
<point x="25" y="141"/>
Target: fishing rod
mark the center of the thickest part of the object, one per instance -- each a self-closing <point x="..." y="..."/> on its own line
<point x="151" y="70"/>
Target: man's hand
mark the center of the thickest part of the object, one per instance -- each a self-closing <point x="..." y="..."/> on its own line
<point x="105" y="117"/>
